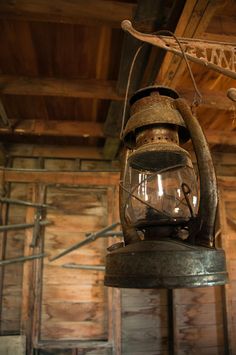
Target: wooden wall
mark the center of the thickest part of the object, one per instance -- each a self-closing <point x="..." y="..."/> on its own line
<point x="66" y="311"/>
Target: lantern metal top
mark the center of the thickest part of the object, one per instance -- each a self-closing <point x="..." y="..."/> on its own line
<point x="154" y="105"/>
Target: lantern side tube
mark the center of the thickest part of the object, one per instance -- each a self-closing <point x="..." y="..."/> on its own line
<point x="208" y="184"/>
<point x="129" y="232"/>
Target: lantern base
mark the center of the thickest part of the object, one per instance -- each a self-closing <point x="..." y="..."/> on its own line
<point x="165" y="264"/>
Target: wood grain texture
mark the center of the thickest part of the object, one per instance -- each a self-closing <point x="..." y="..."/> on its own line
<point x="15" y="344"/>
<point x="144" y="321"/>
<point x="74" y="307"/>
<point x="84" y="88"/>
<point x="98" y="179"/>
<point x="54" y="128"/>
<point x="75" y="12"/>
<point x="12" y="285"/>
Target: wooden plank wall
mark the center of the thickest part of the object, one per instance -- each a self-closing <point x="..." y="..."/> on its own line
<point x="11" y="276"/>
<point x="74" y="301"/>
<point x="204" y="318"/>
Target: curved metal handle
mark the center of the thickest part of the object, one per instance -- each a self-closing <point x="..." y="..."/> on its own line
<point x="208" y="184"/>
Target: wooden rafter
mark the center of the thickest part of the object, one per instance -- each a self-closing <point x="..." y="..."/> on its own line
<point x="89" y="12"/>
<point x="95" y="89"/>
<point x="84" y="88"/>
<point x="53" y="128"/>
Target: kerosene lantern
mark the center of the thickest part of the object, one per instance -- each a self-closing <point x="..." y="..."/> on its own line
<point x="168" y="225"/>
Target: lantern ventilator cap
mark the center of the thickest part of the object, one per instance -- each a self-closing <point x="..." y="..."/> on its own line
<point x="161" y="90"/>
<point x="154" y="105"/>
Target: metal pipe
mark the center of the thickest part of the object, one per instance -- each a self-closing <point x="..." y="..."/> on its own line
<point x="109" y="234"/>
<point x="208" y="185"/>
<point x="25" y="203"/>
<point x="22" y="226"/>
<point x="21" y="259"/>
<point x="89" y="239"/>
<point x="84" y="267"/>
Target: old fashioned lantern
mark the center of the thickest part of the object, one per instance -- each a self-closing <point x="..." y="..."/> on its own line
<point x="168" y="225"/>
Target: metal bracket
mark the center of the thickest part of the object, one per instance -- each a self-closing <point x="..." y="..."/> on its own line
<point x="218" y="56"/>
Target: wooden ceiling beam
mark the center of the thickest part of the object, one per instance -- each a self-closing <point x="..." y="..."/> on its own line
<point x="210" y="99"/>
<point x="95" y="89"/>
<point x="84" y="88"/>
<point x="53" y="128"/>
<point x="226" y="138"/>
<point x="89" y="12"/>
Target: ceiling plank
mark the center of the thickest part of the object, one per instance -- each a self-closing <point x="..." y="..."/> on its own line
<point x="84" y="88"/>
<point x="53" y="128"/>
<point x="219" y="37"/>
<point x="89" y="12"/>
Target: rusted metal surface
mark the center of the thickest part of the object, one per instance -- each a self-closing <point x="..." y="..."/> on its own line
<point x="218" y="56"/>
<point x="165" y="264"/>
<point x="153" y="109"/>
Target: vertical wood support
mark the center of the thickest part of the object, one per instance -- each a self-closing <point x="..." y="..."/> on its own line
<point x="225" y="289"/>
<point x="38" y="273"/>
<point x="3" y="244"/>
<point x="27" y="283"/>
<point x="171" y="322"/>
<point x="31" y="287"/>
<point x="114" y="301"/>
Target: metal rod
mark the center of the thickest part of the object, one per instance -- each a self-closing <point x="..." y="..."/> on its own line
<point x="22" y="226"/>
<point x="109" y="234"/>
<point x="89" y="239"/>
<point x="21" y="259"/>
<point x="84" y="267"/>
<point x="24" y="203"/>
